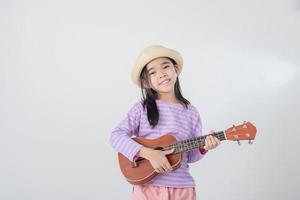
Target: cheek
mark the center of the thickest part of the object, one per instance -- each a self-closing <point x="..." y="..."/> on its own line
<point x="152" y="80"/>
<point x="171" y="71"/>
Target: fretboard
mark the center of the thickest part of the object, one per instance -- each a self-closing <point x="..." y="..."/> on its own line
<point x="187" y="145"/>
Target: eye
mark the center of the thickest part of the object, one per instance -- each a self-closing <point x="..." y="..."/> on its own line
<point x="166" y="66"/>
<point x="151" y="73"/>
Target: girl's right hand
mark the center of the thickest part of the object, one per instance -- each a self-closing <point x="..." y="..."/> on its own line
<point x="157" y="159"/>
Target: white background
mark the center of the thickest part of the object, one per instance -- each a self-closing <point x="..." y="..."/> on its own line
<point x="65" y="84"/>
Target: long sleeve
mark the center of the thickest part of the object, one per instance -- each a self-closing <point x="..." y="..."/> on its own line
<point x="195" y="155"/>
<point x="120" y="138"/>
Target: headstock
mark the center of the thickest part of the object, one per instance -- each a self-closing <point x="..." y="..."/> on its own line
<point x="245" y="131"/>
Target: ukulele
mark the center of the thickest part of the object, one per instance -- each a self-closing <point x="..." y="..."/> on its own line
<point x="141" y="171"/>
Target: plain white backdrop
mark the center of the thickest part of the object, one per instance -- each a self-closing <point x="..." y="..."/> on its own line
<point x="65" y="84"/>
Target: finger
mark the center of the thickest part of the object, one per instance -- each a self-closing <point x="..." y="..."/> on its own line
<point x="157" y="170"/>
<point x="167" y="167"/>
<point x="167" y="152"/>
<point x="217" y="141"/>
<point x="213" y="142"/>
<point x="208" y="143"/>
<point x="160" y="170"/>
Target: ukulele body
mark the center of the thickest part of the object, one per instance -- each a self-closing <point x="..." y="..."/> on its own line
<point x="141" y="171"/>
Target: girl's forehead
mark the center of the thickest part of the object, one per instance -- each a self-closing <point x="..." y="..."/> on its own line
<point x="158" y="62"/>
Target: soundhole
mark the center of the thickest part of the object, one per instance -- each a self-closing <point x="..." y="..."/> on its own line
<point x="159" y="148"/>
<point x="135" y="163"/>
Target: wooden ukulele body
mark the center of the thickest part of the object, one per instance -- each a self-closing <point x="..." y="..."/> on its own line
<point x="141" y="171"/>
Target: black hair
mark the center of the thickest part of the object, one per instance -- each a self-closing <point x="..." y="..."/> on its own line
<point x="149" y="96"/>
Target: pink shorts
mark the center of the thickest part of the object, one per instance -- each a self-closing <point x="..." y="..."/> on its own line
<point x="150" y="192"/>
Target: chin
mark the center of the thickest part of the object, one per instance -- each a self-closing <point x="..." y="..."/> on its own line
<point x="166" y="90"/>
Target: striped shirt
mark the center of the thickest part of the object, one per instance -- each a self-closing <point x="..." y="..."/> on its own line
<point x="183" y="123"/>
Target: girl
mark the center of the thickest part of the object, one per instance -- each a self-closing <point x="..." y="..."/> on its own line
<point x="162" y="110"/>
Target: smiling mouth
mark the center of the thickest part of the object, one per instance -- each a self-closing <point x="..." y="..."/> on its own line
<point x="165" y="82"/>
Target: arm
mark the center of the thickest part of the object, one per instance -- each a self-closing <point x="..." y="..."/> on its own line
<point x="120" y="138"/>
<point x="122" y="142"/>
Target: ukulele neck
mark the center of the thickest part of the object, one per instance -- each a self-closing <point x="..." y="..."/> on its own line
<point x="187" y="145"/>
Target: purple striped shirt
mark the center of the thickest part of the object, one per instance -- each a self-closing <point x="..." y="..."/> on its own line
<point x="183" y="123"/>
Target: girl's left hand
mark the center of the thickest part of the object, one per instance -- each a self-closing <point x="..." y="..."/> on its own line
<point x="211" y="142"/>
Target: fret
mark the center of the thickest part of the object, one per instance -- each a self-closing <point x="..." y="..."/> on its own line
<point x="189" y="144"/>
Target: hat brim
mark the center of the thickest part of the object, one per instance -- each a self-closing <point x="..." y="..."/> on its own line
<point x="151" y="53"/>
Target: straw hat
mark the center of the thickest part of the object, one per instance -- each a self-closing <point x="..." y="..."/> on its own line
<point x="150" y="53"/>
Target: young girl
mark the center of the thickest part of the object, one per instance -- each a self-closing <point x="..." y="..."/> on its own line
<point x="162" y="110"/>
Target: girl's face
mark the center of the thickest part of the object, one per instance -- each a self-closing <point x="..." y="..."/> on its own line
<point x="162" y="75"/>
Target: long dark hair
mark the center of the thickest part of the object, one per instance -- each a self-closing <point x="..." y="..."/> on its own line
<point x="149" y="96"/>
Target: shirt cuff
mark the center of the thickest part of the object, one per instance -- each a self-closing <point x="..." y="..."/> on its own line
<point x="133" y="153"/>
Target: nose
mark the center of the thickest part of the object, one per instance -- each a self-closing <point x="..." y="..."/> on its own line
<point x="162" y="74"/>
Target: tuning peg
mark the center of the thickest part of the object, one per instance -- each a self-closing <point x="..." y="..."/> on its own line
<point x="237" y="139"/>
<point x="245" y="125"/>
<point x="233" y="127"/>
<point x="249" y="141"/>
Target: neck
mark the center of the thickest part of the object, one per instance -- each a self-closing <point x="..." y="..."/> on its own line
<point x="187" y="145"/>
<point x="168" y="97"/>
